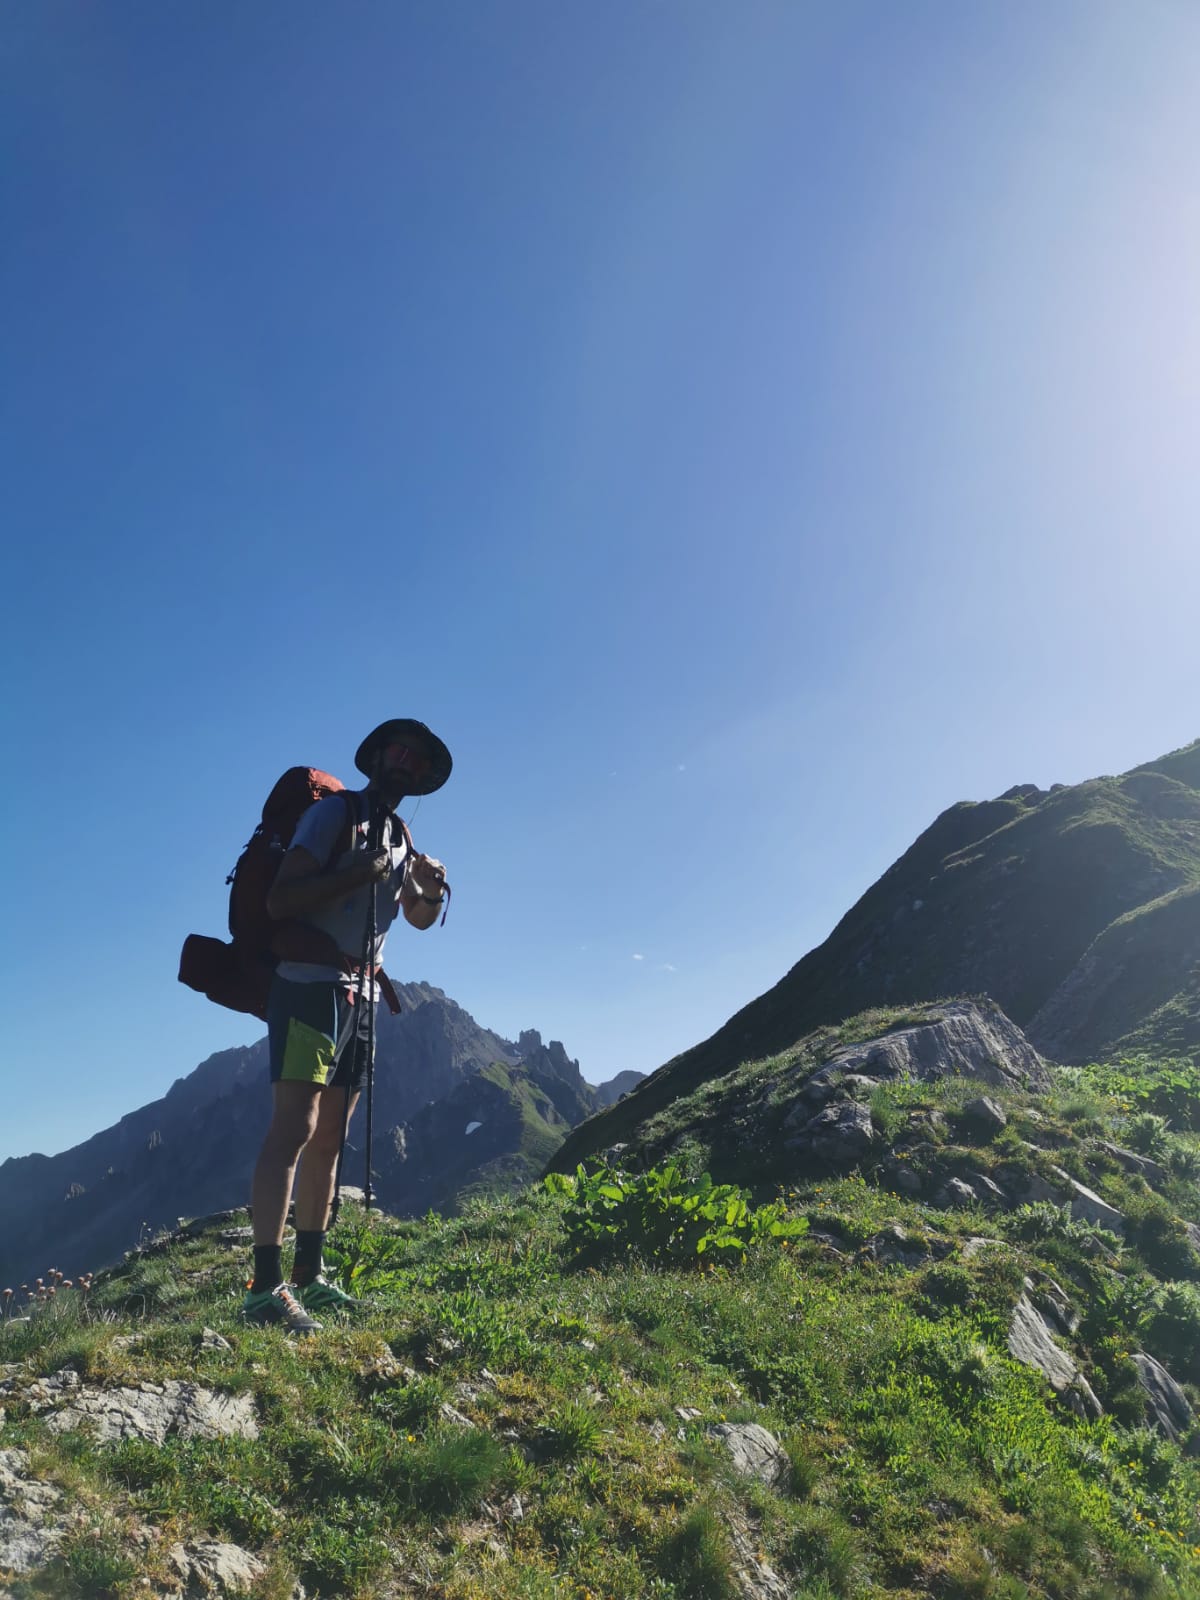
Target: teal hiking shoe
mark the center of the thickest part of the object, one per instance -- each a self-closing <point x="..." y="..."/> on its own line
<point x="321" y="1295"/>
<point x="278" y="1305"/>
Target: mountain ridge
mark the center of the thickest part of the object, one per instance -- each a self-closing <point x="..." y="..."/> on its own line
<point x="1010" y="897"/>
<point x="192" y="1150"/>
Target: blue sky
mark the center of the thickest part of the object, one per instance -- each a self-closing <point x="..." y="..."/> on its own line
<point x="739" y="431"/>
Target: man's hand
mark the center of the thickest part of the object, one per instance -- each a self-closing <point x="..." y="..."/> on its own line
<point x="427" y="877"/>
<point x="302" y="886"/>
<point x="375" y="867"/>
<point x="424" y="891"/>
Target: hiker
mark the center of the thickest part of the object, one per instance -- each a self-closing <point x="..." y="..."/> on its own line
<point x="346" y="848"/>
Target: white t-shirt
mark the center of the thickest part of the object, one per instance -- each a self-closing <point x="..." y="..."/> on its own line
<point x="346" y="920"/>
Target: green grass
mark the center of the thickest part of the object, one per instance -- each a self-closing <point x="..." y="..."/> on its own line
<point x="924" y="1461"/>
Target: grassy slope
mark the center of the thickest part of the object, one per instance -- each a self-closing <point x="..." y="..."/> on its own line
<point x="1138" y="987"/>
<point x="924" y="1461"/>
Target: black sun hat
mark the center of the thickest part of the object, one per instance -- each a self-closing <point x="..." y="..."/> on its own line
<point x="404" y="730"/>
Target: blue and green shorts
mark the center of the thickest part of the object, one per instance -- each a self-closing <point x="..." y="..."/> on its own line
<point x="314" y="1037"/>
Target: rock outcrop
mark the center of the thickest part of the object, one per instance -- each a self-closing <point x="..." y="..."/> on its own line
<point x="961" y="1038"/>
<point x="1030" y="1342"/>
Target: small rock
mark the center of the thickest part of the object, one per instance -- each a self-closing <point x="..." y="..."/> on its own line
<point x="977" y="1244"/>
<point x="382" y="1367"/>
<point x="906" y="1180"/>
<point x="1150" y="1170"/>
<point x="856" y="1083"/>
<point x="448" y="1414"/>
<point x="30" y="1524"/>
<point x="987" y="1190"/>
<point x="1051" y="1300"/>
<point x="209" y="1567"/>
<point x="754" y="1578"/>
<point x="512" y="1510"/>
<point x="986" y="1116"/>
<point x="893" y="1247"/>
<point x="1085" y="1204"/>
<point x="957" y="1192"/>
<point x="754" y="1451"/>
<point x="210" y="1339"/>
<point x="687" y="1413"/>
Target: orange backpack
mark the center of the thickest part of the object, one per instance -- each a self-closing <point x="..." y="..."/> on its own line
<point x="238" y="974"/>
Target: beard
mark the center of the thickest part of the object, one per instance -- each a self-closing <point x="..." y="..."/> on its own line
<point x="394" y="787"/>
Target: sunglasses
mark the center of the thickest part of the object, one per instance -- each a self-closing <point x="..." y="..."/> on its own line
<point x="405" y="758"/>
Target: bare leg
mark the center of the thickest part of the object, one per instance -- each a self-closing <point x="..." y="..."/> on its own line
<point x="294" y="1120"/>
<point x="314" y="1186"/>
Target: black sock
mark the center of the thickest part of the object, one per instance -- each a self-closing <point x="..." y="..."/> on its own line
<point x="307" y="1263"/>
<point x="268" y="1267"/>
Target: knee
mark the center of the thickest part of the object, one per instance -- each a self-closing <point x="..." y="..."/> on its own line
<point x="325" y="1141"/>
<point x="288" y="1136"/>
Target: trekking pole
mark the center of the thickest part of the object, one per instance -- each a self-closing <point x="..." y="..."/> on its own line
<point x="367" y="963"/>
<point x="374" y="841"/>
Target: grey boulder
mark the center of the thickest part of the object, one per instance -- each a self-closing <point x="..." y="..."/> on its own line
<point x="1029" y="1342"/>
<point x="755" y="1452"/>
<point x="838" y="1136"/>
<point x="1169" y="1409"/>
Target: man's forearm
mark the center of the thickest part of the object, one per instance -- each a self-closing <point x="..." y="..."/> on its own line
<point x="299" y="895"/>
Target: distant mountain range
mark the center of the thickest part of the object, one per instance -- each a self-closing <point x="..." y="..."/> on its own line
<point x="439" y="1073"/>
<point x="1076" y="908"/>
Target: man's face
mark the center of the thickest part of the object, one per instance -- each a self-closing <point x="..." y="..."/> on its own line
<point x="400" y="765"/>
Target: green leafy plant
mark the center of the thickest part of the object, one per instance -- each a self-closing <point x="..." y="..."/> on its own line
<point x="1183" y="1161"/>
<point x="1147" y="1133"/>
<point x="572" y="1430"/>
<point x="1042" y="1220"/>
<point x="1173" y="1329"/>
<point x="359" y="1253"/>
<point x="666" y="1216"/>
<point x="1169" y="1087"/>
<point x="1160" y="1237"/>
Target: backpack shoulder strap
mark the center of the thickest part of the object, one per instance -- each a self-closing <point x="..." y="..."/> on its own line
<point x="347" y="839"/>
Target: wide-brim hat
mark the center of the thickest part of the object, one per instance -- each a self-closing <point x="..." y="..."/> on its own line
<point x="404" y="730"/>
